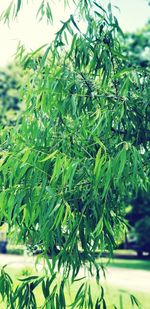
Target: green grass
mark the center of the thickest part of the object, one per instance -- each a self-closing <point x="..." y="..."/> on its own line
<point x="130" y="264"/>
<point x="112" y="294"/>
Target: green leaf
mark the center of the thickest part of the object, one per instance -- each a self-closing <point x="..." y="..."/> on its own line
<point x="124" y="71"/>
<point x="45" y="57"/>
<point x="33" y="285"/>
<point x="78" y="294"/>
<point x="104" y="304"/>
<point x="122" y="157"/>
<point x="99" y="228"/>
<point x="38" y="50"/>
<point x="26" y="155"/>
<point x="19" y="2"/>
<point x="135" y="301"/>
<point x="50" y="156"/>
<point x="99" y="6"/>
<point x="58" y="205"/>
<point x="49" y="13"/>
<point x="79" y="279"/>
<point x="74" y="23"/>
<point x="107" y="178"/>
<point x="99" y="15"/>
<point x="62" y="296"/>
<point x="125" y="87"/>
<point x="28" y="278"/>
<point x="6" y="14"/>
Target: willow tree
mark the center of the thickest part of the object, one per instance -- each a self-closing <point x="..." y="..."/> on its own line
<point x="78" y="152"/>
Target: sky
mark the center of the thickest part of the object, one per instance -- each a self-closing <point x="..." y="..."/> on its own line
<point x="26" y="28"/>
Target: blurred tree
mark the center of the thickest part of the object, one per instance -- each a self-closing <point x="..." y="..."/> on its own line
<point x="10" y="105"/>
<point x="139" y="219"/>
<point x="138" y="52"/>
<point x="142" y="229"/>
<point x="138" y="46"/>
<point x="140" y="208"/>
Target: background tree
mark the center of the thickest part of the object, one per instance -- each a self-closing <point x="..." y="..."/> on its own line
<point x="139" y="219"/>
<point x="67" y="167"/>
<point x="137" y="48"/>
<point x="10" y="80"/>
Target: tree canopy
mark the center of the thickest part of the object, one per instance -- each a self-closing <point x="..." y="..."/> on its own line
<point x="78" y="152"/>
<point x="10" y="105"/>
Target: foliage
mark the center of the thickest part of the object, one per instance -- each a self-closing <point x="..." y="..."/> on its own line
<point x="112" y="294"/>
<point x="142" y="228"/>
<point x="80" y="147"/>
<point x="140" y="208"/>
<point x="138" y="46"/>
<point x="139" y="215"/>
<point x="139" y="218"/>
<point x="15" y="249"/>
<point x="9" y="95"/>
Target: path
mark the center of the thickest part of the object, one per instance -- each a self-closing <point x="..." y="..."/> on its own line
<point x="123" y="278"/>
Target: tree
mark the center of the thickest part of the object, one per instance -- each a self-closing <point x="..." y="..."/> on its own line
<point x="139" y="219"/>
<point x="142" y="229"/>
<point x="10" y="105"/>
<point x="139" y="215"/>
<point x="67" y="167"/>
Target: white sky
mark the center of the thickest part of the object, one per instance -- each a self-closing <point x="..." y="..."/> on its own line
<point x="133" y="15"/>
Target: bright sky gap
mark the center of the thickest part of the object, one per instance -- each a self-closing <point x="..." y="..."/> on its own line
<point x="26" y="28"/>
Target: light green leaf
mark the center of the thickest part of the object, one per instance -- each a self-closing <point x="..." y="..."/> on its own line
<point x="50" y="156"/>
<point x="122" y="158"/>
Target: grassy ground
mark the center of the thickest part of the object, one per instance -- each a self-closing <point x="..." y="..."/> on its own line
<point x="130" y="264"/>
<point x="119" y="297"/>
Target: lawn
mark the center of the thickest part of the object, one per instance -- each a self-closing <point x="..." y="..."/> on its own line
<point x="113" y="295"/>
<point x="130" y="264"/>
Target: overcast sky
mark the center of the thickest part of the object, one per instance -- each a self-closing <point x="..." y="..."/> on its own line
<point x="133" y="15"/>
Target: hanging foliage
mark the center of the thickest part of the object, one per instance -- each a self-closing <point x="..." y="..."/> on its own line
<point x="79" y="150"/>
